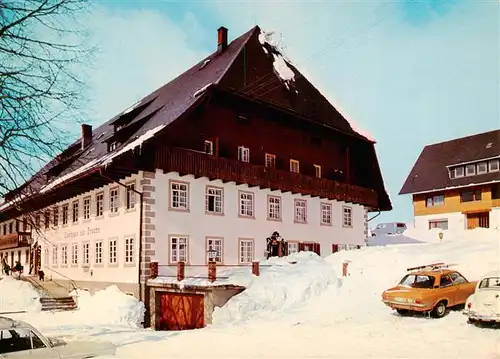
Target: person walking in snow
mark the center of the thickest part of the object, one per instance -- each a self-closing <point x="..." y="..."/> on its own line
<point x="19" y="269"/>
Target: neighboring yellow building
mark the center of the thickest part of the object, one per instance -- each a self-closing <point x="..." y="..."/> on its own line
<point x="455" y="184"/>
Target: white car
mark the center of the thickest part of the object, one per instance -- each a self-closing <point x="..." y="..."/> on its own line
<point x="19" y="339"/>
<point x="484" y="304"/>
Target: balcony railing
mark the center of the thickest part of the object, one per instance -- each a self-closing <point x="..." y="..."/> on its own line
<point x="202" y="165"/>
<point x="15" y="240"/>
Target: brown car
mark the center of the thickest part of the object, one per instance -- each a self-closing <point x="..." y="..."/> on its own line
<point x="430" y="289"/>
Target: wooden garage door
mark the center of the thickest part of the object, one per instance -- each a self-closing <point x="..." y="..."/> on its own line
<point x="475" y="220"/>
<point x="181" y="311"/>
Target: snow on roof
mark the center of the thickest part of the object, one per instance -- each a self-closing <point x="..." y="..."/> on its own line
<point x="200" y="91"/>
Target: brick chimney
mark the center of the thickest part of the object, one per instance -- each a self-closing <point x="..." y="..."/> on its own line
<point x="221" y="39"/>
<point x="86" y="135"/>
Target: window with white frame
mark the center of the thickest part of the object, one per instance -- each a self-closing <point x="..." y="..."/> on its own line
<point x="74" y="253"/>
<point x="209" y="147"/>
<point x="346" y="216"/>
<point x="494" y="165"/>
<point x="294" y="166"/>
<point x="458" y="171"/>
<point x="54" y="255"/>
<point x="246" y="204"/>
<point x="45" y="256"/>
<point x="482" y="167"/>
<point x="86" y="208"/>
<point x="86" y="253"/>
<point x="214" y="245"/>
<point x="326" y="213"/>
<point x="113" y="200"/>
<point x="317" y="171"/>
<point x="246" y="251"/>
<point x="470" y="170"/>
<point x="243" y="154"/>
<point x="270" y="160"/>
<point x="300" y="211"/>
<point x="76" y="206"/>
<point x="55" y="216"/>
<point x="129" y="250"/>
<point x="130" y="196"/>
<point x="214" y="200"/>
<point x="98" y="252"/>
<point x="179" y="195"/>
<point x="113" y="244"/>
<point x="65" y="214"/>
<point x="293" y="247"/>
<point x="64" y="255"/>
<point x="46" y="219"/>
<point x="178" y="249"/>
<point x="99" y="204"/>
<point x="274" y="208"/>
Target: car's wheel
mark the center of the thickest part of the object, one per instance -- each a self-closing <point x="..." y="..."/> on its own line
<point x="471" y="321"/>
<point x="439" y="310"/>
<point x="402" y="311"/>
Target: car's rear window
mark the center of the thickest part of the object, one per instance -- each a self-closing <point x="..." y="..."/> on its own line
<point x="418" y="281"/>
<point x="492" y="282"/>
<point x="401" y="225"/>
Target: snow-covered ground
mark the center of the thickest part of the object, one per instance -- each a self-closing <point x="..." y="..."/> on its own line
<point x="297" y="310"/>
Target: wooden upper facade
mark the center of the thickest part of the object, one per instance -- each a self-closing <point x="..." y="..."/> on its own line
<point x="229" y="117"/>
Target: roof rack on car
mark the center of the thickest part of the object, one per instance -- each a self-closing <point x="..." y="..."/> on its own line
<point x="432" y="266"/>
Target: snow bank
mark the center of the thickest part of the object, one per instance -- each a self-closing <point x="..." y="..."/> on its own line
<point x="18" y="295"/>
<point x="280" y="288"/>
<point x="110" y="306"/>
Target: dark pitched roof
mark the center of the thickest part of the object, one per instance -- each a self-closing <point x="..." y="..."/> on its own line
<point x="246" y="66"/>
<point x="430" y="171"/>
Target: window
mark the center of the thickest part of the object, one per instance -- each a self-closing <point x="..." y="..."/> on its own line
<point x="113" y="200"/>
<point x="214" y="200"/>
<point x="243" y="154"/>
<point x="98" y="252"/>
<point x="86" y="253"/>
<point x="494" y="165"/>
<point x="45" y="256"/>
<point x="54" y="255"/>
<point x="457" y="278"/>
<point x="438" y="223"/>
<point x="470" y="196"/>
<point x="130" y="196"/>
<point x="294" y="166"/>
<point x="113" y="259"/>
<point x="458" y="171"/>
<point x="129" y="250"/>
<point x="300" y="211"/>
<point x="209" y="147"/>
<point x="270" y="160"/>
<point x="64" y="255"/>
<point x="246" y="251"/>
<point x="293" y="247"/>
<point x="178" y="249"/>
<point x="65" y="214"/>
<point x="274" y="208"/>
<point x="75" y="211"/>
<point x="470" y="170"/>
<point x="495" y="191"/>
<point x="435" y="201"/>
<point x="20" y="340"/>
<point x="482" y="167"/>
<point x="179" y="196"/>
<point x="46" y="219"/>
<point x="246" y="204"/>
<point x="38" y="220"/>
<point x="326" y="213"/>
<point x="445" y="281"/>
<point x="417" y="281"/>
<point x="55" y="216"/>
<point x="99" y="204"/>
<point x="74" y="254"/>
<point x="317" y="171"/>
<point x="86" y="208"/>
<point x="346" y="216"/>
<point x="215" y="245"/>
<point x="113" y="146"/>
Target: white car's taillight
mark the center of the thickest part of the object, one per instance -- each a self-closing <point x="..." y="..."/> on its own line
<point x="469" y="305"/>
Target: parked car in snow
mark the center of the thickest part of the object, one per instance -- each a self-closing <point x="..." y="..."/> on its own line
<point x="429" y="289"/>
<point x="484" y="304"/>
<point x="388" y="228"/>
<point x="19" y="339"/>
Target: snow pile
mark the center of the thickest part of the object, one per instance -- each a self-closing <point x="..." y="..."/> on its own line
<point x="109" y="306"/>
<point x="281" y="287"/>
<point x="18" y="295"/>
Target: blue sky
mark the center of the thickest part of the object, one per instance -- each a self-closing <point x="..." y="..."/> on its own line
<point x="410" y="73"/>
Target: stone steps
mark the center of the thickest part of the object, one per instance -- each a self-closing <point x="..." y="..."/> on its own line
<point x="60" y="303"/>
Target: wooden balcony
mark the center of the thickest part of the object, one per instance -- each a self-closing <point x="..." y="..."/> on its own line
<point x="200" y="164"/>
<point x="15" y="240"/>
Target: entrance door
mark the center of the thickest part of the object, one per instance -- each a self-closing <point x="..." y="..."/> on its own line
<point x="181" y="311"/>
<point x="480" y="219"/>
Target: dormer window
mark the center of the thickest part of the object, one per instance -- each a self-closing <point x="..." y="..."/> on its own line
<point x="458" y="172"/>
<point x="494" y="165"/>
<point x="482" y="167"/>
<point x="113" y="146"/>
<point x="470" y="170"/>
<point x="209" y="147"/>
<point x="119" y="127"/>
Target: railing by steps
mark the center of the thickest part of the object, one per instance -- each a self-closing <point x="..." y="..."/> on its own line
<point x="71" y="283"/>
